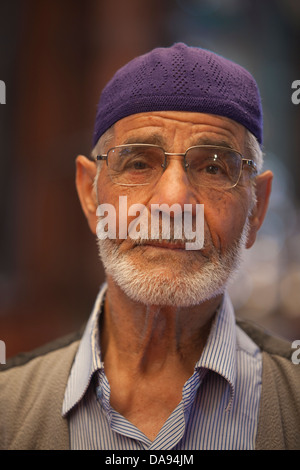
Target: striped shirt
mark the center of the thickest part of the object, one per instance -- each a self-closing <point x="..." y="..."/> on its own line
<point x="219" y="406"/>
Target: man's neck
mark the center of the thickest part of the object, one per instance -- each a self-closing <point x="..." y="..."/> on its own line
<point x="150" y="339"/>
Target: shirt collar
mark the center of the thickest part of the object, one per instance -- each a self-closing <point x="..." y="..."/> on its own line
<point x="219" y="353"/>
<point x="88" y="358"/>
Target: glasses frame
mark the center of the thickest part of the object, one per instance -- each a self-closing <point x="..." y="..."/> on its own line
<point x="245" y="161"/>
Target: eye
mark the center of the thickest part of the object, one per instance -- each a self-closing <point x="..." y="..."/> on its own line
<point x="213" y="169"/>
<point x="138" y="161"/>
<point x="209" y="168"/>
<point x="139" y="165"/>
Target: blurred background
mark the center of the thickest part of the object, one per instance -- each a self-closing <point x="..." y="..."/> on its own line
<point x="55" y="58"/>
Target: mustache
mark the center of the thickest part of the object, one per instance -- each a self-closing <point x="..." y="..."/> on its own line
<point x="160" y="239"/>
<point x="157" y="237"/>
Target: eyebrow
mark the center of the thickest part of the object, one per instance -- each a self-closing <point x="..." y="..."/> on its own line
<point x="157" y="139"/>
<point x="209" y="141"/>
<point x="154" y="139"/>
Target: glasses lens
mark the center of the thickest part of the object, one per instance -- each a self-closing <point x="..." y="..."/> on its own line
<point x="135" y="164"/>
<point x="214" y="167"/>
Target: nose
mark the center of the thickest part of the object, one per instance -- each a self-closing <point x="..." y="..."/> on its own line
<point x="174" y="186"/>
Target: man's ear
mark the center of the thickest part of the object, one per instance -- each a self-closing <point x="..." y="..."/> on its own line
<point x="262" y="190"/>
<point x="85" y="175"/>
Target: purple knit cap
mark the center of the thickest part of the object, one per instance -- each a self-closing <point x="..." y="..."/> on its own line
<point x="181" y="78"/>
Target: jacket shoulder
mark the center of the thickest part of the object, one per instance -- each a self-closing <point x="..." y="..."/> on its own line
<point x="265" y="340"/>
<point x="32" y="390"/>
<point x="24" y="358"/>
<point x="279" y="415"/>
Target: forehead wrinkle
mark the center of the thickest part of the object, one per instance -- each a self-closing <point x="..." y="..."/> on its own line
<point x="176" y="131"/>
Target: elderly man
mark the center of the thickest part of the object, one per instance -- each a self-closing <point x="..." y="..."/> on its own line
<point x="162" y="363"/>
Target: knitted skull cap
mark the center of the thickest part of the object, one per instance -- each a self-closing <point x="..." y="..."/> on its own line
<point x="181" y="78"/>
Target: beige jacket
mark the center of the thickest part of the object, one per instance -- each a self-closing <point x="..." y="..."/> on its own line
<point x="32" y="388"/>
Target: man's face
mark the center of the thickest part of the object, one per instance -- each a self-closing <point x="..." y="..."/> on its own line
<point x="166" y="274"/>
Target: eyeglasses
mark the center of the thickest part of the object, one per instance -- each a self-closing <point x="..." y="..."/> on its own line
<point x="206" y="165"/>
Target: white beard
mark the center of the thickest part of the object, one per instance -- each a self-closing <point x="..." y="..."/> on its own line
<point x="181" y="284"/>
